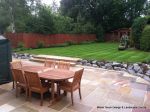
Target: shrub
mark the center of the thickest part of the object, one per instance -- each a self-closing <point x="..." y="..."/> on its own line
<point x="77" y="28"/>
<point x="137" y="28"/>
<point x="87" y="42"/>
<point x="68" y="43"/>
<point x="59" y="45"/>
<point x="43" y="23"/>
<point x="145" y="40"/>
<point x="40" y="44"/>
<point x="88" y="28"/>
<point x="100" y="33"/>
<point x="20" y="46"/>
<point x="63" y="24"/>
<point x="148" y="19"/>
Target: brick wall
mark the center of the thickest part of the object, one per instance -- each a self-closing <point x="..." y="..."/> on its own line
<point x="31" y="40"/>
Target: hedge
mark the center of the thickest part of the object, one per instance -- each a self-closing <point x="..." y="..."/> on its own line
<point x="145" y="40"/>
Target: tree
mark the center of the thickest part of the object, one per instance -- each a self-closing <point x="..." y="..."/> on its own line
<point x="16" y="13"/>
<point x="34" y="6"/>
<point x="63" y="24"/>
<point x="45" y="19"/>
<point x="135" y="8"/>
<point x="145" y="39"/>
<point x="4" y="16"/>
<point x="54" y="7"/>
<point x="147" y="8"/>
<point x="137" y="29"/>
<point x="42" y="22"/>
<point x="110" y="14"/>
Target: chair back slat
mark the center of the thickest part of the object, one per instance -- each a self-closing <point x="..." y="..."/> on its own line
<point x="63" y="65"/>
<point x="18" y="76"/>
<point x="77" y="77"/>
<point x="16" y="64"/>
<point x="33" y="79"/>
<point x="50" y="63"/>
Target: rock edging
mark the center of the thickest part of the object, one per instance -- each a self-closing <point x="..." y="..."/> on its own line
<point x="138" y="69"/>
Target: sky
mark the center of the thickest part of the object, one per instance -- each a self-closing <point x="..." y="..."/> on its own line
<point x="49" y="2"/>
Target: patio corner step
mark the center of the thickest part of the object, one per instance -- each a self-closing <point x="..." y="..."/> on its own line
<point x="42" y="58"/>
<point x="57" y="58"/>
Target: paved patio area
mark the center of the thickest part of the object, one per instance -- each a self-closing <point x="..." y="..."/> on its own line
<point x="102" y="91"/>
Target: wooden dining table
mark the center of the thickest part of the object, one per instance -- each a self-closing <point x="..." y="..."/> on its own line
<point x="51" y="74"/>
<point x="37" y="69"/>
<point x="56" y="75"/>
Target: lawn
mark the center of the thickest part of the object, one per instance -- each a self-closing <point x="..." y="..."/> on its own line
<point x="98" y="51"/>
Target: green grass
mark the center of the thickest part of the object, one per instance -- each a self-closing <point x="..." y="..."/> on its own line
<point x="98" y="51"/>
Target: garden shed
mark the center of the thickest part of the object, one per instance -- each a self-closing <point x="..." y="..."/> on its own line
<point x="5" y="58"/>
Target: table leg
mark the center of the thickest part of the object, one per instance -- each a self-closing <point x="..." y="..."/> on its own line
<point x="52" y="93"/>
<point x="13" y="86"/>
<point x="54" y="99"/>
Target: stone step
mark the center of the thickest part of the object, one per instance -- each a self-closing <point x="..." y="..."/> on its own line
<point x="43" y="60"/>
<point x="57" y="58"/>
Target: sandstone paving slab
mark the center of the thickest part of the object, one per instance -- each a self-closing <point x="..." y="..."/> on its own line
<point x="17" y="102"/>
<point x="99" y="87"/>
<point x="141" y="110"/>
<point x="2" y="91"/>
<point x="140" y="86"/>
<point x="6" y="108"/>
<point x="117" y="106"/>
<point x="131" y="100"/>
<point x="114" y="95"/>
<point x="147" y="100"/>
<point x="61" y="104"/>
<point x="68" y="110"/>
<point x="24" y="109"/>
<point x="99" y="110"/>
<point x="97" y="97"/>
<point x="47" y="109"/>
<point x="140" y="80"/>
<point x="80" y="107"/>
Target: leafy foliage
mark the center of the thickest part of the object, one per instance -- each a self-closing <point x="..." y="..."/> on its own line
<point x="43" y="23"/>
<point x="88" y="28"/>
<point x="74" y="16"/>
<point x="4" y="16"/>
<point x="40" y="44"/>
<point x="80" y="26"/>
<point x="63" y="24"/>
<point x="147" y="8"/>
<point x="110" y="14"/>
<point x="137" y="29"/>
<point x="21" y="46"/>
<point x="145" y="40"/>
<point x="100" y="33"/>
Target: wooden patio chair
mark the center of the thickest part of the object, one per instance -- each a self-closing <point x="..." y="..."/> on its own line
<point x="50" y="63"/>
<point x="35" y="85"/>
<point x="63" y="65"/>
<point x="20" y="81"/>
<point x="74" y="85"/>
<point x="15" y="65"/>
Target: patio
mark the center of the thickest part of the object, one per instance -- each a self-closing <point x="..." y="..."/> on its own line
<point x="102" y="91"/>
